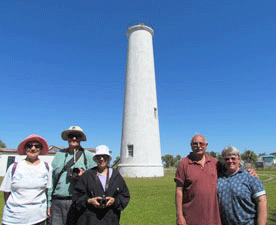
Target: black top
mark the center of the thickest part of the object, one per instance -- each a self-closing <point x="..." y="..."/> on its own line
<point x="90" y="186"/>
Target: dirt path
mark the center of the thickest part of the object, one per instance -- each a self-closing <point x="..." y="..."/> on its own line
<point x="271" y="177"/>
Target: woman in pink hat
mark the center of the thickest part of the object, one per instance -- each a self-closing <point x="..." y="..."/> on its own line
<point x="26" y="183"/>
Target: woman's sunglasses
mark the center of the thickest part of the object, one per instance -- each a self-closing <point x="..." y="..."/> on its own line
<point x="98" y="157"/>
<point x="37" y="146"/>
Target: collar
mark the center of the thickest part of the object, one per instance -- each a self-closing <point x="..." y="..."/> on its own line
<point x="192" y="160"/>
<point x="75" y="150"/>
<point x="241" y="170"/>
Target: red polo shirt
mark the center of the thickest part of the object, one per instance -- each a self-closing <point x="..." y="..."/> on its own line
<point x="200" y="201"/>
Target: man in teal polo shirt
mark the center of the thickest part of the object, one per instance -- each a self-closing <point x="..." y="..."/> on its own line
<point x="60" y="195"/>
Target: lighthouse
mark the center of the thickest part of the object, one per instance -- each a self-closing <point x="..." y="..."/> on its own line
<point x="140" y="144"/>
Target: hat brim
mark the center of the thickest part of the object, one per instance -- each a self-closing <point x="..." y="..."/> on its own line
<point x="41" y="140"/>
<point x="65" y="133"/>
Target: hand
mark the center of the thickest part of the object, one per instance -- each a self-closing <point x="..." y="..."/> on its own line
<point x="180" y="220"/>
<point x="82" y="171"/>
<point x="110" y="201"/>
<point x="253" y="173"/>
<point x="80" y="174"/>
<point x="48" y="212"/>
<point x="95" y="202"/>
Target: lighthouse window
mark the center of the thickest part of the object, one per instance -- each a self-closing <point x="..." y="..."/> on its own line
<point x="155" y="112"/>
<point x="130" y="150"/>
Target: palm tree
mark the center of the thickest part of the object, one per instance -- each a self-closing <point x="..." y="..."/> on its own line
<point x="249" y="156"/>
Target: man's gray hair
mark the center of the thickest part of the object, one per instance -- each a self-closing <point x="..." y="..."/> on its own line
<point x="200" y="136"/>
<point x="231" y="150"/>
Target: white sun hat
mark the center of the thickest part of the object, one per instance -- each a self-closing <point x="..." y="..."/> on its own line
<point x="102" y="150"/>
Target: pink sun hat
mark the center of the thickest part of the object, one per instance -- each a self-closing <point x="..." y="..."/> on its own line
<point x="33" y="137"/>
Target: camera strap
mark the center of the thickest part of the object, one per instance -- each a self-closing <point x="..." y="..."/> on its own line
<point x="107" y="180"/>
<point x="70" y="163"/>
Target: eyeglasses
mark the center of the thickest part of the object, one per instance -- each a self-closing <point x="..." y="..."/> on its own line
<point x="232" y="158"/>
<point x="198" y="143"/>
<point x="37" y="146"/>
<point x="71" y="136"/>
<point x="98" y="157"/>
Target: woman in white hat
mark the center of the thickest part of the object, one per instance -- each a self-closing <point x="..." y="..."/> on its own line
<point x="26" y="183"/>
<point x="101" y="193"/>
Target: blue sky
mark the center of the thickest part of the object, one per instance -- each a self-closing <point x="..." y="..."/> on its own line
<point x="63" y="63"/>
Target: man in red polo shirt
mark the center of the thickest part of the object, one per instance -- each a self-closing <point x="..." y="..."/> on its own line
<point x="196" y="179"/>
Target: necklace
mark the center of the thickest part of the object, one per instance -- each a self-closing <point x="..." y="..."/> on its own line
<point x="102" y="172"/>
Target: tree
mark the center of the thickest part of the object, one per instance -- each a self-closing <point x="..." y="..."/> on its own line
<point x="261" y="154"/>
<point x="116" y="162"/>
<point x="177" y="160"/>
<point x="220" y="158"/>
<point x="168" y="160"/>
<point x="213" y="154"/>
<point x="2" y="144"/>
<point x="249" y="156"/>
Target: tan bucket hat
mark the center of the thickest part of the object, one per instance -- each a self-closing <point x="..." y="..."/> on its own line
<point x="73" y="130"/>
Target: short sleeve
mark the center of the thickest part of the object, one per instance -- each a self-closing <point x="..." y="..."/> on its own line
<point x="257" y="187"/>
<point x="180" y="175"/>
<point x="49" y="182"/>
<point x="6" y="183"/>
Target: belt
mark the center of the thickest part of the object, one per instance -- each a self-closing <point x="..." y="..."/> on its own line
<point x="58" y="197"/>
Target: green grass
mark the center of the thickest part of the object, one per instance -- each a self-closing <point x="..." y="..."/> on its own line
<point x="152" y="199"/>
<point x="2" y="202"/>
<point x="269" y="180"/>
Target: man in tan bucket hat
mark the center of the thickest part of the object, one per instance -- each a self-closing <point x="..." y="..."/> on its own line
<point x="68" y="165"/>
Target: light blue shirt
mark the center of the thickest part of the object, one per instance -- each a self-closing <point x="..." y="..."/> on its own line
<point x="103" y="178"/>
<point x="237" y="197"/>
<point x="66" y="184"/>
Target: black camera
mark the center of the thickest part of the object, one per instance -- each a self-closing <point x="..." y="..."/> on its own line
<point x="74" y="172"/>
<point x="102" y="201"/>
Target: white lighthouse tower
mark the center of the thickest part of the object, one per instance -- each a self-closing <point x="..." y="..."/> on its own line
<point x="140" y="147"/>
